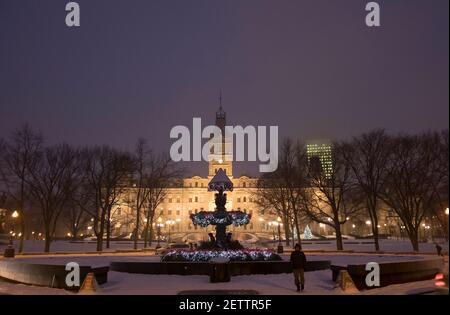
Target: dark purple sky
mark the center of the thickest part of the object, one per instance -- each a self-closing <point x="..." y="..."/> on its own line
<point x="137" y="68"/>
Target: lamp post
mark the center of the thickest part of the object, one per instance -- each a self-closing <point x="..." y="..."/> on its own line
<point x="14" y="215"/>
<point x="9" y="251"/>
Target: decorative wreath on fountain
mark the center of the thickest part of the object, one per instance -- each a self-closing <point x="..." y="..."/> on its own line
<point x="205" y="218"/>
<point x="231" y="255"/>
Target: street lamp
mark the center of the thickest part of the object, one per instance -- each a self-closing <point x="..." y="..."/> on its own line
<point x="14" y="215"/>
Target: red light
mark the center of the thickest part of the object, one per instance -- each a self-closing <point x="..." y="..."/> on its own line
<point x="439" y="276"/>
<point x="440" y="283"/>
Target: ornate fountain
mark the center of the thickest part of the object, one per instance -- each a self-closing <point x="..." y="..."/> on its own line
<point x="221" y="218"/>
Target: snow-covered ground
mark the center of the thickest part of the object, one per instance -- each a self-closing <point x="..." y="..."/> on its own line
<point x="385" y="244"/>
<point x="316" y="283"/>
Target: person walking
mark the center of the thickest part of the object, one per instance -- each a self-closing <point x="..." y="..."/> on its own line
<point x="298" y="260"/>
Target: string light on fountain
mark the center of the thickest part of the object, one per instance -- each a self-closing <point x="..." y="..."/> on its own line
<point x="232" y="255"/>
<point x="205" y="218"/>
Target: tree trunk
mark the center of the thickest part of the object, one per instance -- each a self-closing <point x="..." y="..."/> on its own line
<point x="100" y="234"/>
<point x="145" y="236"/>
<point x="108" y="229"/>
<point x="136" y="234"/>
<point x="47" y="243"/>
<point x="339" y="243"/>
<point x="414" y="237"/>
<point x="372" y="206"/>
<point x="147" y="233"/>
<point x="297" y="228"/>
<point x="150" y="230"/>
<point x="292" y="227"/>
<point x="375" y="233"/>
<point x="287" y="231"/>
<point x="151" y="236"/>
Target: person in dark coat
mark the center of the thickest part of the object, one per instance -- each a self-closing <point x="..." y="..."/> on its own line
<point x="438" y="249"/>
<point x="298" y="260"/>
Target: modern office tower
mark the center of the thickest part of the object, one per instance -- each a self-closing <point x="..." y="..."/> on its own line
<point x="320" y="156"/>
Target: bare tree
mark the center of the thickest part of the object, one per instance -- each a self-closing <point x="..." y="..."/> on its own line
<point x="409" y="185"/>
<point x="293" y="166"/>
<point x="142" y="176"/>
<point x="441" y="186"/>
<point x="19" y="157"/>
<point x="367" y="156"/>
<point x="52" y="183"/>
<point x="272" y="197"/>
<point x="332" y="198"/>
<point x="108" y="174"/>
<point x="162" y="173"/>
<point x="283" y="189"/>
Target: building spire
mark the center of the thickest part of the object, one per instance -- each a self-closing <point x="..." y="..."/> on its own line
<point x="220" y="114"/>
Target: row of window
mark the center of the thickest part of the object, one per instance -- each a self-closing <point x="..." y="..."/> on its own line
<point x="244" y="199"/>
<point x="196" y="199"/>
<point x="201" y="185"/>
<point x="177" y="212"/>
<point x="196" y="185"/>
<point x="169" y="212"/>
